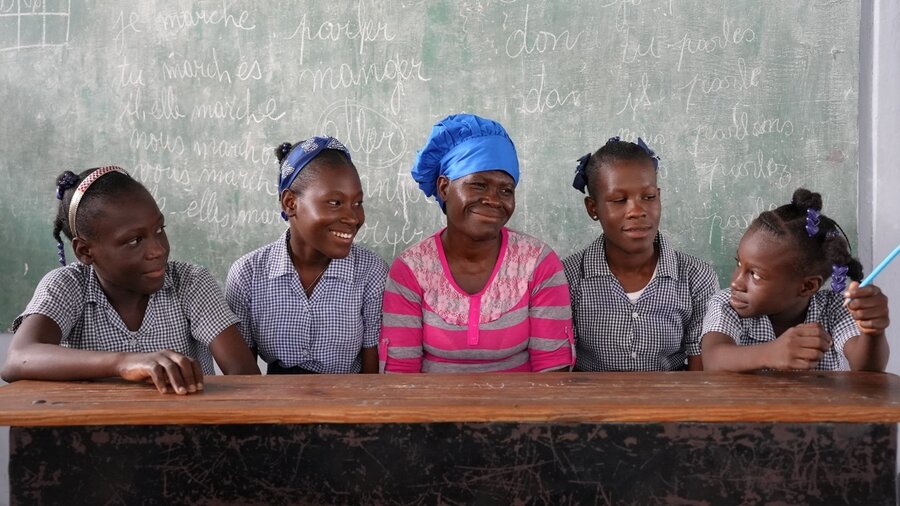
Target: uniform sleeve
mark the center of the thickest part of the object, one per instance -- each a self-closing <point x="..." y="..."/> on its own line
<point x="400" y="348"/>
<point x="550" y="344"/>
<point x="372" y="305"/>
<point x="204" y="305"/>
<point x="704" y="284"/>
<point x="840" y="324"/>
<point x="237" y="294"/>
<point x="60" y="297"/>
<point x="721" y="317"/>
<point x="573" y="277"/>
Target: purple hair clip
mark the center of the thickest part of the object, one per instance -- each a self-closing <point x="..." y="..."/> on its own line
<point x="68" y="180"/>
<point x="812" y="222"/>
<point x="838" y="277"/>
<point x="580" y="182"/>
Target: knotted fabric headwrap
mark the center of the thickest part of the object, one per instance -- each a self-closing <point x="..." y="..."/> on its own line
<point x="300" y="156"/>
<point x="463" y="144"/>
<point x="83" y="188"/>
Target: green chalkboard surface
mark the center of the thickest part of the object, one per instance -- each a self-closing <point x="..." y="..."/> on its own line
<point x="744" y="101"/>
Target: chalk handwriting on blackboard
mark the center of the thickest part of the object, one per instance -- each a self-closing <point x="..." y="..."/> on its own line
<point x="743" y="104"/>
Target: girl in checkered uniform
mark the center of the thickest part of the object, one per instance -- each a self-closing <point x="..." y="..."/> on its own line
<point x="310" y="302"/>
<point x="123" y="309"/>
<point x="775" y="314"/>
<point x="637" y="302"/>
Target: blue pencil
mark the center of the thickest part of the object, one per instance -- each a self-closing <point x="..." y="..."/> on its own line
<point x="876" y="271"/>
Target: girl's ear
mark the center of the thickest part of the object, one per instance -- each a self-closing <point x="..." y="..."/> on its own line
<point x="443" y="185"/>
<point x="591" y="207"/>
<point x="82" y="249"/>
<point x="811" y="285"/>
<point x="288" y="202"/>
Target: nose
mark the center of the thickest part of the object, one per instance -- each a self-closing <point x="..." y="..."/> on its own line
<point x="636" y="208"/>
<point x="494" y="197"/>
<point x="353" y="215"/>
<point x="737" y="281"/>
<point x="157" y="246"/>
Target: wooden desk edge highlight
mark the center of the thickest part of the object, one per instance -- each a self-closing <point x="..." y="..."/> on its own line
<point x="481" y="398"/>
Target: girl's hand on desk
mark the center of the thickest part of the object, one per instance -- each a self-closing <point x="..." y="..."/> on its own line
<point x="168" y="370"/>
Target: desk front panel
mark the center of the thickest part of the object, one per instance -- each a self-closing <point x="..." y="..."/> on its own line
<point x="456" y="463"/>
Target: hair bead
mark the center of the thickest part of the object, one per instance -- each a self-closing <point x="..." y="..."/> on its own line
<point x="839" y="277"/>
<point x="812" y="222"/>
<point x="61" y="253"/>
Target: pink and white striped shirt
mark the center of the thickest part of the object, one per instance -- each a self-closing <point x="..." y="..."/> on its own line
<point x="520" y="321"/>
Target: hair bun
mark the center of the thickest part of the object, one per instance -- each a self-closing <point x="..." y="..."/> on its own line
<point x="65" y="181"/>
<point x="805" y="199"/>
<point x="282" y="151"/>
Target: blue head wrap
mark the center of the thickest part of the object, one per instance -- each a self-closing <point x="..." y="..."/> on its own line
<point x="299" y="157"/>
<point x="463" y="144"/>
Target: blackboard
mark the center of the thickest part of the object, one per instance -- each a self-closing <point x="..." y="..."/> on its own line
<point x="744" y="101"/>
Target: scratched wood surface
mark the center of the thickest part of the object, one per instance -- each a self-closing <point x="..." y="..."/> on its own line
<point x="562" y="397"/>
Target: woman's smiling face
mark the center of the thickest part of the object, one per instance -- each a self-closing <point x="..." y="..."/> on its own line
<point x="479" y="204"/>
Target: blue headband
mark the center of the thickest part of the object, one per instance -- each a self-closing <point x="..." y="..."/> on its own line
<point x="463" y="144"/>
<point x="300" y="156"/>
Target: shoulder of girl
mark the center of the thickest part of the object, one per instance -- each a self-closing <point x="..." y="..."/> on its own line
<point x="72" y="277"/>
<point x="368" y="259"/>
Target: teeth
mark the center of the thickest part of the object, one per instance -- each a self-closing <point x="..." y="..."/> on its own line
<point x="343" y="235"/>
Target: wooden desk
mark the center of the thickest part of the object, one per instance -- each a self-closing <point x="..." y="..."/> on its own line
<point x="582" y="438"/>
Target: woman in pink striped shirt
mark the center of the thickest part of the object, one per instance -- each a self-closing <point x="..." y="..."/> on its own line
<point x="476" y="296"/>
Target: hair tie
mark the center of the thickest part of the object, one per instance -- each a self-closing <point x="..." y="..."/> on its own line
<point x="614" y="138"/>
<point x="838" y="277"/>
<point x="812" y="222"/>
<point x="67" y="180"/>
<point x="580" y="181"/>
<point x="652" y="154"/>
<point x="61" y="253"/>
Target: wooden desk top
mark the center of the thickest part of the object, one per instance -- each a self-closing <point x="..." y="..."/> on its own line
<point x="525" y="397"/>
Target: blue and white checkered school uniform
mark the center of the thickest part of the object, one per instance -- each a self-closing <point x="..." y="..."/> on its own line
<point x="825" y="307"/>
<point x="654" y="332"/>
<point x="185" y="315"/>
<point x="323" y="333"/>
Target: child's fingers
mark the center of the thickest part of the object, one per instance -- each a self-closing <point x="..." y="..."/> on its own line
<point x="183" y="369"/>
<point x="158" y="377"/>
<point x="809" y="329"/>
<point x="873" y="325"/>
<point x="198" y="374"/>
<point x="173" y="374"/>
<point x="869" y="313"/>
<point x="854" y="294"/>
<point x="811" y="354"/>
